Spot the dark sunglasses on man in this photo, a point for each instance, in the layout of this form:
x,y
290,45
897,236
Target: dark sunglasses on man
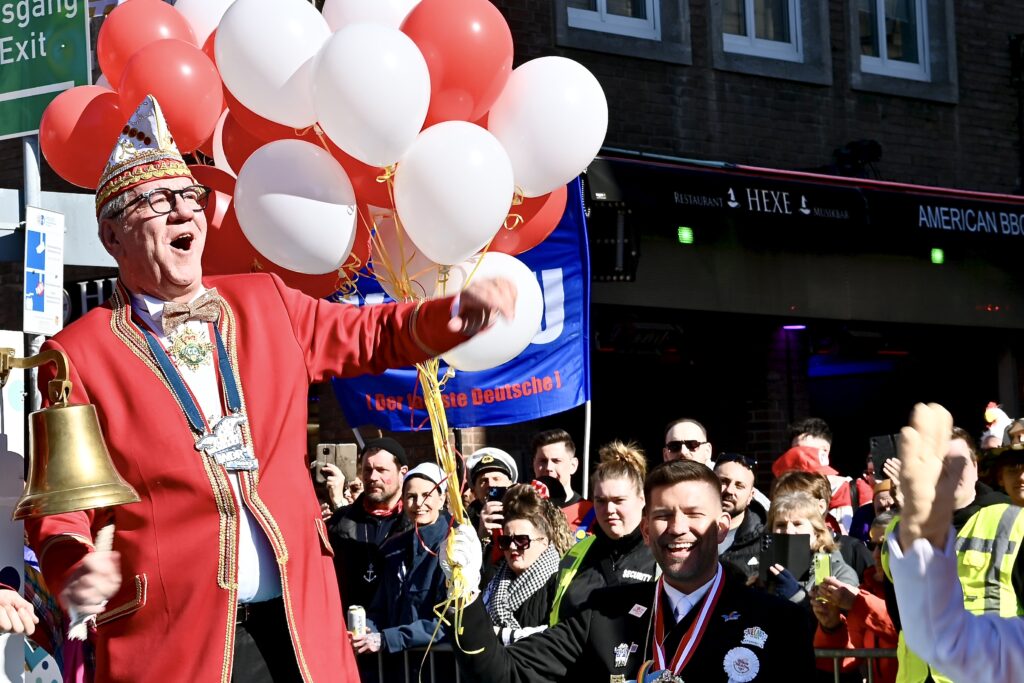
x,y
677,446
745,460
520,541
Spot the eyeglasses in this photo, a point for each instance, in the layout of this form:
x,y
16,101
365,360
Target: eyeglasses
x,y
745,460
677,446
161,199
520,541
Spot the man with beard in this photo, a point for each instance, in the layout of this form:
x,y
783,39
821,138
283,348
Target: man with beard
x,y
357,531
692,623
742,545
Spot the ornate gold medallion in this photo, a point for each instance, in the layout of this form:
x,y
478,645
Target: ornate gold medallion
x,y
188,349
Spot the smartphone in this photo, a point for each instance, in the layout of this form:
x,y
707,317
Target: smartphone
x,y
822,564
325,453
792,551
496,493
882,448
345,457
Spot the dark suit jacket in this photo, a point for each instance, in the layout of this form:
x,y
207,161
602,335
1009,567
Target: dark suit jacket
x,y
582,648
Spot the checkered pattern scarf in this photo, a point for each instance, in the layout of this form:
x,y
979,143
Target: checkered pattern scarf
x,y
508,591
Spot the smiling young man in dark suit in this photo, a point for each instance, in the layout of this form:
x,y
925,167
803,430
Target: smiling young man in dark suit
x,y
692,624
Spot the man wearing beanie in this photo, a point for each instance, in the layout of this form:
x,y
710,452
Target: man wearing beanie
x,y
223,569
357,531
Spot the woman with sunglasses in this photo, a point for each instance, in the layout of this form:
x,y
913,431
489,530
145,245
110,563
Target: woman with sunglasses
x,y
402,613
616,553
534,534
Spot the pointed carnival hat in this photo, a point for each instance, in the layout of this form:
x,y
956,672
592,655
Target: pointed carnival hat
x,y
144,151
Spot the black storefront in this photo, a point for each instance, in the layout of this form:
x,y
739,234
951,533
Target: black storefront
x,y
748,297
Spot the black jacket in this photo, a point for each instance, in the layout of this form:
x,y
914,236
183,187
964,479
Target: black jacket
x,y
743,555
356,537
607,563
583,647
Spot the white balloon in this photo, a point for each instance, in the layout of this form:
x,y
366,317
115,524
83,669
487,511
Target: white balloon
x,y
505,339
266,50
453,189
397,258
203,16
296,206
220,159
342,13
551,117
371,91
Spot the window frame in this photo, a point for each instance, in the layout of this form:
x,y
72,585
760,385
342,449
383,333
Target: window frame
x,y
893,68
673,45
750,44
600,20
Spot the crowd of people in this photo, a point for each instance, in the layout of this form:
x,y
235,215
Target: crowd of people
x,y
543,565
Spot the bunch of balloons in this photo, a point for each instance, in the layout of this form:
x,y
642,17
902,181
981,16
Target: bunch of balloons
x,y
389,132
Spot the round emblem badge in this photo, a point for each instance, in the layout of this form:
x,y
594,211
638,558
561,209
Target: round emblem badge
x,y
741,665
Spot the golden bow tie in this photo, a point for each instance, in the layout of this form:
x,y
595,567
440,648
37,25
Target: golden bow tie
x,y
205,308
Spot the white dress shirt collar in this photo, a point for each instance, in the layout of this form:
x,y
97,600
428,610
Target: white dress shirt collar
x,y
682,602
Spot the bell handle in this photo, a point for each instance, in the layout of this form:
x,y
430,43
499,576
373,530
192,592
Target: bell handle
x,y
59,388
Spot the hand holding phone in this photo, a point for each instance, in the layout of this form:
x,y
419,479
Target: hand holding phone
x,y
822,564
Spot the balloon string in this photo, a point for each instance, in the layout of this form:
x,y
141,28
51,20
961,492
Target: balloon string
x,y
514,220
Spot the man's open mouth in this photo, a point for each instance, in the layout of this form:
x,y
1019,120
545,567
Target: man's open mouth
x,y
184,242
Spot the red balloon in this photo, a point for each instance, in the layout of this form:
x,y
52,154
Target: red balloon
x,y
78,131
468,49
540,217
131,27
185,83
256,124
363,177
208,47
223,186
227,251
238,143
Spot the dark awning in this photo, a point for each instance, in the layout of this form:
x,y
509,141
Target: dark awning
x,y
806,205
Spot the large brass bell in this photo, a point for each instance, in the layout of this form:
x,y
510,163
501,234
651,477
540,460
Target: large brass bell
x,y
69,468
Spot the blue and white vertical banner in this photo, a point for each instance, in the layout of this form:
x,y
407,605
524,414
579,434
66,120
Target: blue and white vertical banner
x,y
550,376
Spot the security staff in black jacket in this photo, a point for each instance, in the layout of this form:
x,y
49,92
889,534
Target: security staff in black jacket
x,y
691,623
616,553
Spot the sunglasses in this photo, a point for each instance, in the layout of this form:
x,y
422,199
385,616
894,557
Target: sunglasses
x,y
745,460
677,446
520,541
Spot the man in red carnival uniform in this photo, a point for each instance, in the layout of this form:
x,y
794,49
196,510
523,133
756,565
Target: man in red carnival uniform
x,y
223,571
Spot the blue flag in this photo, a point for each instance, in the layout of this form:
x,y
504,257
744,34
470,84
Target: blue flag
x,y
550,376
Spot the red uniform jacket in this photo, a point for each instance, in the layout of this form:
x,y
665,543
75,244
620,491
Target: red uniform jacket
x,y
174,617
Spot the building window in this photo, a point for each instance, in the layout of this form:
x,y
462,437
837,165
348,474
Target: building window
x,y
894,38
634,18
763,28
647,29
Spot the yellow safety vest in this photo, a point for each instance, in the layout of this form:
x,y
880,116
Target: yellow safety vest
x,y
567,570
986,550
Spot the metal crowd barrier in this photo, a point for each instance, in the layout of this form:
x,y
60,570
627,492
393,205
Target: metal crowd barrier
x,y
837,656
412,657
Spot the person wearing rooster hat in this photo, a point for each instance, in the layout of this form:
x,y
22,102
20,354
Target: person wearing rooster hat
x,y
223,571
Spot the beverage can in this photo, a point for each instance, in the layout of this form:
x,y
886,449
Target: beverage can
x,y
356,620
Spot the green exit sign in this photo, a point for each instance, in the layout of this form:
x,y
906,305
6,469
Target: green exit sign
x,y
44,50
